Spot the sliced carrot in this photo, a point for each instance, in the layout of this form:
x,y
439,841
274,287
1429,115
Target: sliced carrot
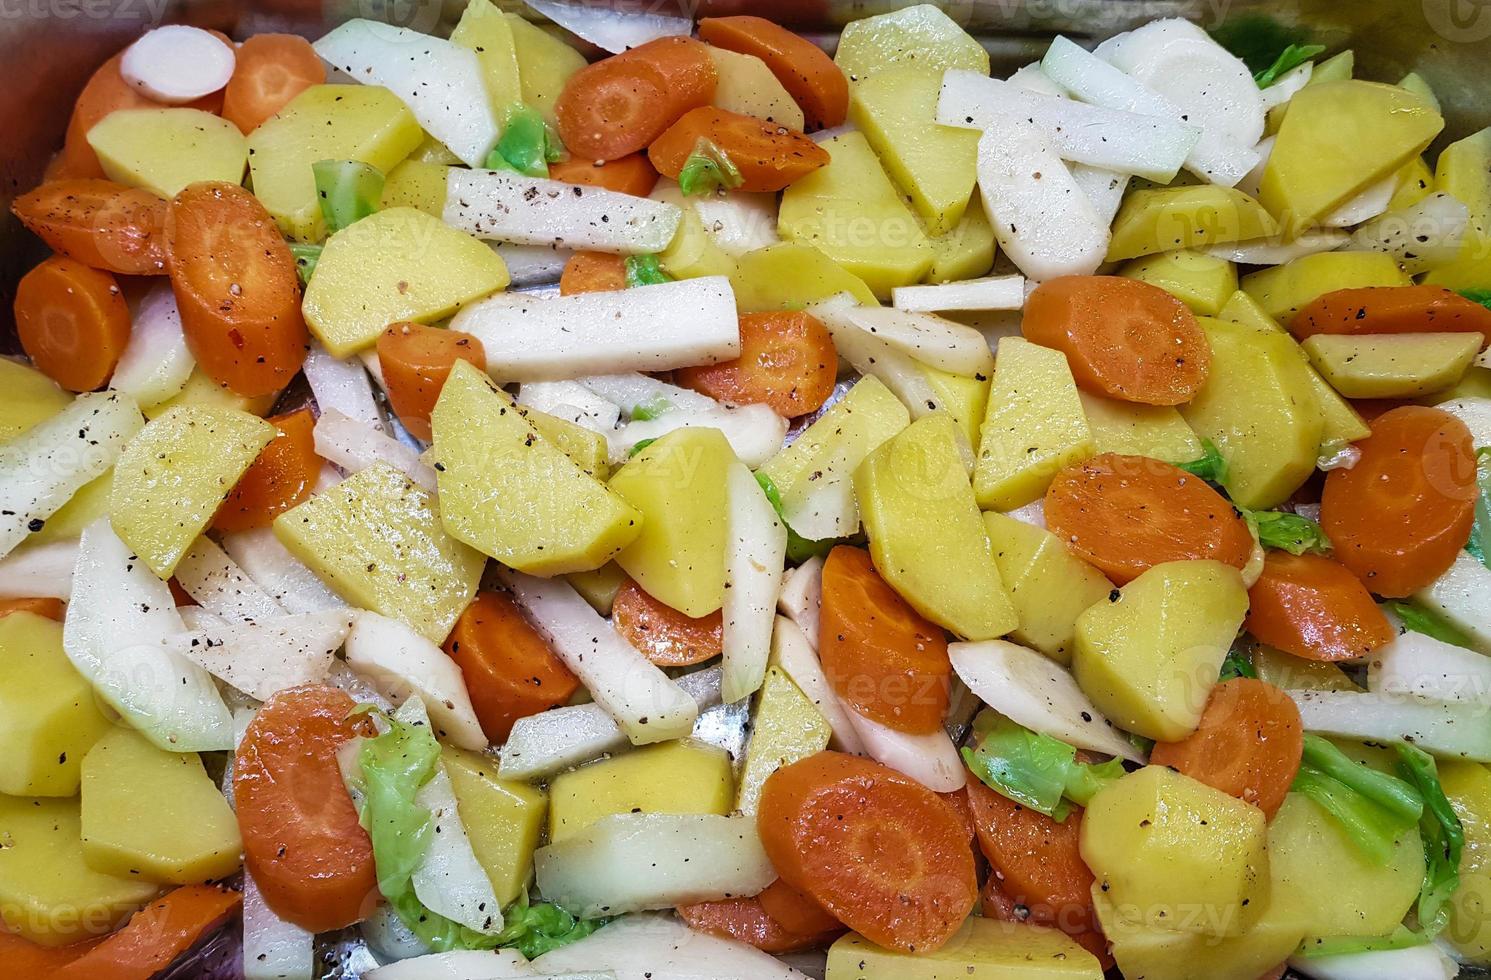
x,y
281,477
1123,338
631,174
619,105
25,960
1035,859
271,69
664,635
805,71
592,272
1392,309
302,842
72,322
509,669
958,800
1247,745
882,657
799,912
1315,608
768,155
99,223
237,288
1400,516
997,904
882,853
787,361
154,936
51,608
416,359
746,921
1125,514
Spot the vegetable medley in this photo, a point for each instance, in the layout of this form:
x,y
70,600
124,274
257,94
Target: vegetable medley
x,y
748,502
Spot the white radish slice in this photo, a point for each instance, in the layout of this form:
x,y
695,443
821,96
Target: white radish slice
x,y
645,703
1032,79
1421,236
755,550
1414,663
1449,729
755,432
801,598
177,64
1287,85
659,947
532,265
264,657
571,401
354,446
1267,251
458,964
869,354
797,654
156,362
220,587
1038,693
1041,218
738,222
1426,962
341,386
518,210
1462,595
1033,513
631,391
930,759
267,562
929,339
1475,412
994,293
39,571
647,328
1129,142
1368,204
1253,179
614,30
273,949
399,662
1104,189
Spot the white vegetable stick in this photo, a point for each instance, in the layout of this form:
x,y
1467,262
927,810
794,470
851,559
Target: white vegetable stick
x,y
113,633
738,222
273,949
869,354
519,210
459,964
1253,179
994,293
1426,962
219,586
930,759
1268,251
829,510
1042,220
561,738
754,432
399,662
354,446
1032,79
1417,664
1366,205
1038,693
441,82
1449,729
41,571
645,703
532,265
629,391
1462,595
341,386
177,64
797,653
647,328
44,466
801,597
571,401
1475,412
356,686
270,566
688,857
1104,189
262,658
656,947
1287,85
1421,236
1033,513
755,550
613,30
155,363
928,338
1125,142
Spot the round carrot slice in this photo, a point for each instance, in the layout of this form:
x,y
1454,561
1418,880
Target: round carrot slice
x,y
631,174
1315,608
796,911
664,635
592,272
237,289
1123,338
1035,859
746,921
1400,516
301,839
416,359
1247,745
619,105
509,669
807,73
49,608
882,853
271,69
281,477
99,223
768,155
882,657
1392,309
1125,514
787,361
72,322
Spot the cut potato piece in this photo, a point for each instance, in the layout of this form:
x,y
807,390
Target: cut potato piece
x,y
983,949
923,35
745,85
175,473
484,30
400,663
791,276
1392,365
1201,281
1283,291
1461,171
503,819
26,397
682,776
545,63
1156,431
399,264
785,728
510,207
163,150
1169,218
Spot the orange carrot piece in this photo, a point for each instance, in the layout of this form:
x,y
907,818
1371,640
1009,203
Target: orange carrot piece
x,y
281,477
416,359
631,174
49,607
154,936
271,70
807,73
72,321
664,635
1314,607
1392,309
787,361
592,272
768,155
99,223
621,104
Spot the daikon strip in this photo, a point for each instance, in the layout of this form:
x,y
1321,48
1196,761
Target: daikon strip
x,y
797,654
262,658
994,293
354,446
39,571
519,210
928,338
177,64
755,552
271,566
755,432
930,759
612,29
156,362
399,662
219,586
341,386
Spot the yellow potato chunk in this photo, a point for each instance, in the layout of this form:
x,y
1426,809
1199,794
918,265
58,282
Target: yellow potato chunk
x,y
748,87
48,894
1160,954
852,212
510,493
416,184
1149,655
586,448
1202,282
1175,854
202,391
965,398
1463,171
922,35
1468,786
1291,673
484,29
926,534
678,485
399,264
965,252
503,819
26,397
1033,427
786,727
789,276
163,150
155,814
693,252
1168,218
545,63
376,540
682,776
1392,365
86,506
1284,290
983,949
173,475
1049,586
325,122
1156,431
48,716
599,586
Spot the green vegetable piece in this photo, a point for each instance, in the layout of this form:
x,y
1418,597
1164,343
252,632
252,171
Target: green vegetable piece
x,y
651,409
1399,938
535,929
1418,618
799,548
527,145
306,257
1211,467
349,190
638,446
1479,544
1036,771
1372,807
1481,296
1239,663
1444,839
645,270
1288,60
1288,532
708,169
